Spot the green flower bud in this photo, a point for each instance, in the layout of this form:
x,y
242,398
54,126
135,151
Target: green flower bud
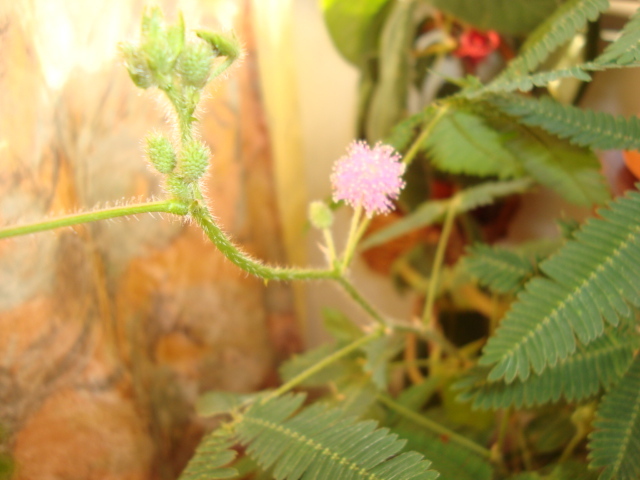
x,y
194,161
194,64
176,38
152,22
161,153
161,45
320,215
136,66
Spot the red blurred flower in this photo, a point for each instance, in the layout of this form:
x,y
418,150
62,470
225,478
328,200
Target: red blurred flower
x,y
475,46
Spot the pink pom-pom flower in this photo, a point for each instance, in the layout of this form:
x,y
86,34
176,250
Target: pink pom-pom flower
x,y
368,177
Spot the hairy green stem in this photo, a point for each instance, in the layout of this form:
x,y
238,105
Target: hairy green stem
x,y
165,206
433,426
325,362
438,260
359,299
203,217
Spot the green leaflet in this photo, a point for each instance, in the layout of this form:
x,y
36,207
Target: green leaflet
x,y
210,458
379,353
615,441
571,171
590,281
507,16
583,374
432,211
557,29
462,142
450,459
341,327
581,127
353,26
626,49
320,442
404,133
564,471
499,269
303,361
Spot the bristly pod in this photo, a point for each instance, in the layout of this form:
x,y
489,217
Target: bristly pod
x,y
194,160
178,188
194,64
161,153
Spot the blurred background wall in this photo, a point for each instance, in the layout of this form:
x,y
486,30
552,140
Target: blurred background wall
x,y
108,332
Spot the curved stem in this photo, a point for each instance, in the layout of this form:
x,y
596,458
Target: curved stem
x,y
325,362
434,426
203,217
165,206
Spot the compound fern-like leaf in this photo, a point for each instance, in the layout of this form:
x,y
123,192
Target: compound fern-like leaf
x,y
625,51
320,442
581,127
583,374
615,442
557,29
211,458
527,82
462,142
500,269
573,172
592,280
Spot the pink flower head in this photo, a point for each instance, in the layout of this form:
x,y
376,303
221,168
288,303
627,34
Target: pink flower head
x,y
368,177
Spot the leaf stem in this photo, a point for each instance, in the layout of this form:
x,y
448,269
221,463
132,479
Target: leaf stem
x,y
165,206
325,362
434,426
439,259
360,300
417,144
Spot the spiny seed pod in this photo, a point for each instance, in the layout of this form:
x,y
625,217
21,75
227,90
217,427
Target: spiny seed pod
x,y
194,64
194,161
161,153
320,215
178,188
